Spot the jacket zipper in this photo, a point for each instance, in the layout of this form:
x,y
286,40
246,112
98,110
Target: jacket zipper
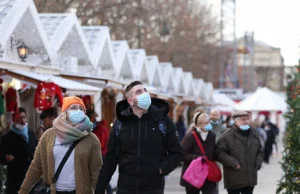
x,y
138,157
247,160
146,130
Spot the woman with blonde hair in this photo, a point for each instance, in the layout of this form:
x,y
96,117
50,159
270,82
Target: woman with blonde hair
x,y
68,156
198,110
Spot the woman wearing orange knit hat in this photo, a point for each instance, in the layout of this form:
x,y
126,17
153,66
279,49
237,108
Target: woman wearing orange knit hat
x,y
68,156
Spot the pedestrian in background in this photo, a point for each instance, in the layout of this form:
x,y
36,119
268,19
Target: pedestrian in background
x,y
240,151
17,150
191,151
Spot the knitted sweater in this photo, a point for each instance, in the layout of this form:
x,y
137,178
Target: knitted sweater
x,y
88,163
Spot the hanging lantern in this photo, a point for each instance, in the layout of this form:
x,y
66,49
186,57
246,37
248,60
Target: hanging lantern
x,y
22,51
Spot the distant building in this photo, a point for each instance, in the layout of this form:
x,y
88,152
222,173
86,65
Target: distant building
x,y
267,70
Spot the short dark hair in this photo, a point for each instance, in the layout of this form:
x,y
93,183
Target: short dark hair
x,y
90,113
50,112
22,110
131,85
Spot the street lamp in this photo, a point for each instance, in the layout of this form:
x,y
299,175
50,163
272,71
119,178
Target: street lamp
x,y
22,51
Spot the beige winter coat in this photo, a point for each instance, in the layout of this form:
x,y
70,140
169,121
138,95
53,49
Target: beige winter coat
x,y
88,163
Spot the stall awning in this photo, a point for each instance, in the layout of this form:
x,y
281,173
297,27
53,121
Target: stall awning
x,y
92,80
25,66
71,87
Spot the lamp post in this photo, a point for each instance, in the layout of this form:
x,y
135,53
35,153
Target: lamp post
x,y
22,51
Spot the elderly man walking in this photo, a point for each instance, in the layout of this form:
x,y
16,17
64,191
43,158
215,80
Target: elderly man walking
x,y
216,123
240,151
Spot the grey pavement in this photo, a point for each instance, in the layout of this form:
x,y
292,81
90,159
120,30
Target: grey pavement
x,y
268,178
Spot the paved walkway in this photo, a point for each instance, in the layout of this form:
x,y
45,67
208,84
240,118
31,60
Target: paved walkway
x,y
268,178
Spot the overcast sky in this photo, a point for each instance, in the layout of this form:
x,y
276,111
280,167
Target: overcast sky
x,y
276,22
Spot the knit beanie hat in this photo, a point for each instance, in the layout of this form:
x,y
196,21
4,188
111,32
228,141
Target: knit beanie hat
x,y
68,101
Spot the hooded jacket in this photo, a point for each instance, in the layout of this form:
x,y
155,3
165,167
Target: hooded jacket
x,y
142,150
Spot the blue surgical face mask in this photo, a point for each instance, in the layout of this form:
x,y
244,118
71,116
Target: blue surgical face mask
x,y
215,122
144,101
231,122
76,116
208,127
244,127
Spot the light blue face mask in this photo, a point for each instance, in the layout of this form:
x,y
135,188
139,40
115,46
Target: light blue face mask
x,y
144,101
215,122
76,116
231,122
208,127
244,127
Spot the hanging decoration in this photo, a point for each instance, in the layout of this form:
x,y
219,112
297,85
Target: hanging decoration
x,y
46,94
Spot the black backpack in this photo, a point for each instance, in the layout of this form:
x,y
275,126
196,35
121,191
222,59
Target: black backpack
x,y
161,125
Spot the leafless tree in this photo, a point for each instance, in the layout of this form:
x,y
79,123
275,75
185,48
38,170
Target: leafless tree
x,y
184,32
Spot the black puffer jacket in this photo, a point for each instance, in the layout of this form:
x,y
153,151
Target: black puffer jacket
x,y
142,149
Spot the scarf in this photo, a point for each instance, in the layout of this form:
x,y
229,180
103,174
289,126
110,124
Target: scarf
x,y
202,134
23,133
66,133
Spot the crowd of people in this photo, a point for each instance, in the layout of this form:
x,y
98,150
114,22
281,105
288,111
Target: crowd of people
x,y
72,152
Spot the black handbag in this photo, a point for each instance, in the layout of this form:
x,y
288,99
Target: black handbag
x,y
46,189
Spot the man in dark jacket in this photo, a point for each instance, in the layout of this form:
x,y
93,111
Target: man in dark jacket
x,y
17,150
136,143
240,151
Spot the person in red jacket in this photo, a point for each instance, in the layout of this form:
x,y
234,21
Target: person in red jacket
x,y
101,131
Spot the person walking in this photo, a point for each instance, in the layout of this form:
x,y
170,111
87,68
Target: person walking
x,y
240,151
216,123
17,150
191,151
47,117
71,130
143,142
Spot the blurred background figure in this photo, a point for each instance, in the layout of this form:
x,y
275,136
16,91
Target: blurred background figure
x,y
181,128
47,117
262,133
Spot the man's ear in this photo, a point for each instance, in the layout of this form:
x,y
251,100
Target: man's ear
x,y
129,100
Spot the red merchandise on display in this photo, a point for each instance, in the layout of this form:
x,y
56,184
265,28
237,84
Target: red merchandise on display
x,y
11,100
45,95
87,100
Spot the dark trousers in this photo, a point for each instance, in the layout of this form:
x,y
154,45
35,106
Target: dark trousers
x,y
245,190
122,191
197,191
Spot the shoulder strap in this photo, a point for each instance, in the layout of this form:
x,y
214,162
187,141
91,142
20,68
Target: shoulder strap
x,y
62,163
198,142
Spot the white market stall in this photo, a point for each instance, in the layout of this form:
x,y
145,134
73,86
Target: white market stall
x,y
263,101
223,103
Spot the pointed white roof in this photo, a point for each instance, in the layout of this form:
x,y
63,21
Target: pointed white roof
x,y
166,73
178,81
124,66
100,44
263,99
139,62
152,71
66,37
198,85
19,20
188,83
